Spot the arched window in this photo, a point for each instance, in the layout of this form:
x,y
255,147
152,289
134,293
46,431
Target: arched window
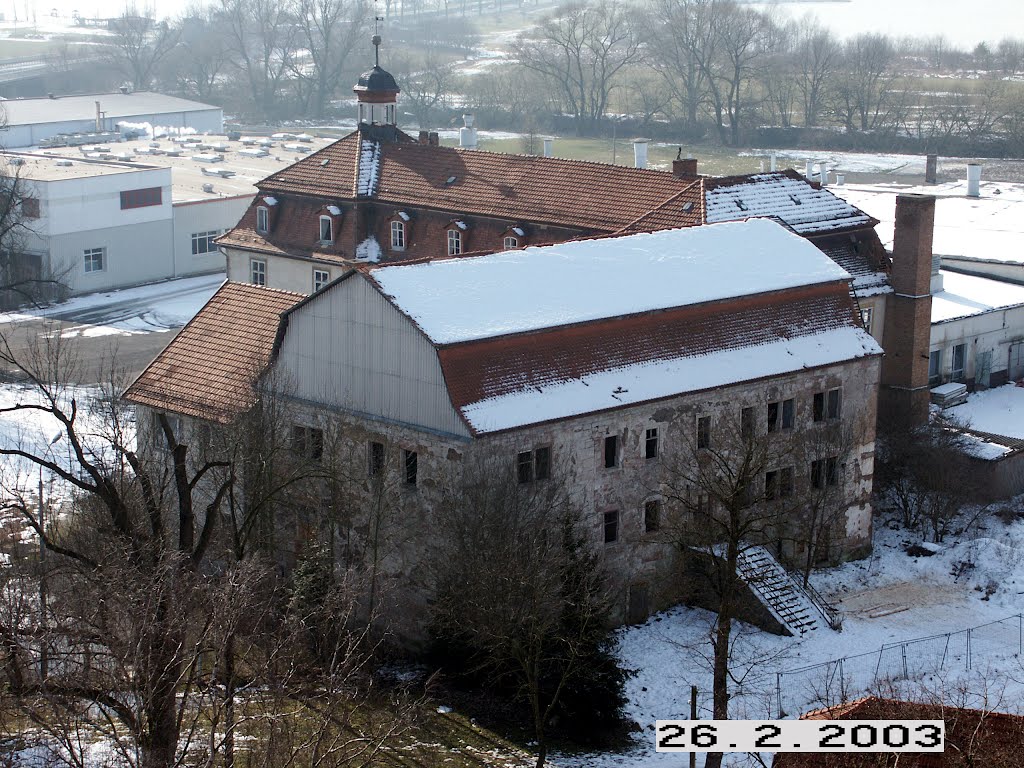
x,y
398,235
454,242
326,230
262,218
510,241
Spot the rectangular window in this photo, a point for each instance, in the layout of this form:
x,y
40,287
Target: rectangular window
x,y
411,464
773,416
702,505
611,451
785,482
524,466
375,459
262,219
326,230
542,463
651,444
652,515
825,472
704,432
397,236
95,260
771,485
788,413
865,318
202,242
141,198
959,361
828,405
611,527
307,442
257,271
747,418
454,242
30,207
935,367
321,277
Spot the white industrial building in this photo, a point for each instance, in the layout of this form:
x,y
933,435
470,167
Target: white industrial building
x,y
136,212
30,121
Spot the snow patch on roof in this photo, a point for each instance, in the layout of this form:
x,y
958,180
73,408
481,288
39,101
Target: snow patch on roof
x,y
998,411
794,201
457,300
966,295
369,168
270,200
517,231
652,380
368,250
403,215
334,210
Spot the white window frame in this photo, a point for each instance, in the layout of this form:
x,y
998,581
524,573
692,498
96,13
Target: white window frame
x,y
865,318
258,269
262,219
510,242
89,255
321,277
454,242
397,235
329,230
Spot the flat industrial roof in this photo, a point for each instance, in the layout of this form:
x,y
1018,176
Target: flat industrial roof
x,y
83,107
188,175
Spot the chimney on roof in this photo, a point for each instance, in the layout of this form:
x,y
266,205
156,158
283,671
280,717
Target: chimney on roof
x,y
640,153
974,180
432,139
684,167
124,90
809,170
907,334
424,137
931,169
99,118
824,173
773,165
549,147
467,135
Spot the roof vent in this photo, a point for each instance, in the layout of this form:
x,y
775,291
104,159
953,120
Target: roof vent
x,y
63,163
450,180
325,161
16,160
207,187
740,204
687,207
796,200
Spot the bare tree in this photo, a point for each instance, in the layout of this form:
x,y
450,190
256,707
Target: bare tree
x,y
263,37
818,54
141,44
580,50
519,588
426,84
862,89
329,31
681,45
201,59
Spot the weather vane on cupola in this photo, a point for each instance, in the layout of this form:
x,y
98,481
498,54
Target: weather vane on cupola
x,y
376,40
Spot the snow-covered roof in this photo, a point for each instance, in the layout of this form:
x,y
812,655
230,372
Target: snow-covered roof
x,y
369,168
998,411
989,227
803,207
458,300
966,295
663,378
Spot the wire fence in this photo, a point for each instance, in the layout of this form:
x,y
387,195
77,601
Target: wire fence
x,y
842,679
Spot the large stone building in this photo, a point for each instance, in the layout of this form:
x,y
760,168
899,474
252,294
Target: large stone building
x,y
596,365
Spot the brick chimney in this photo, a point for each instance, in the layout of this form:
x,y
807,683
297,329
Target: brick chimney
x,y
432,139
907,334
685,168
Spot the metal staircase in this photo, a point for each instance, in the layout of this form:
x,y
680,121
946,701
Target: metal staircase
x,y
798,609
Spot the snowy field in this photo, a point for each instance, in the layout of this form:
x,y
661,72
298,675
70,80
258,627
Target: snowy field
x,y
130,311
974,580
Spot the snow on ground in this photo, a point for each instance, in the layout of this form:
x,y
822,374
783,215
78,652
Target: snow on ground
x,y
846,162
974,578
457,300
999,411
988,227
965,295
145,309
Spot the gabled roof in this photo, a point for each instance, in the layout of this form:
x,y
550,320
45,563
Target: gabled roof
x,y
208,369
574,193
974,737
458,300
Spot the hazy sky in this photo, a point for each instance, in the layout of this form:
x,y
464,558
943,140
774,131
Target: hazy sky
x,y
965,24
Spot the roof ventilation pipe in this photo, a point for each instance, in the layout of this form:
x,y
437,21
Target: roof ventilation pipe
x,y
640,153
467,135
931,169
772,167
823,175
973,180
549,147
809,170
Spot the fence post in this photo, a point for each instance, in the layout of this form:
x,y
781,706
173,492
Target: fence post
x,y
1020,633
968,647
778,692
842,681
693,716
903,652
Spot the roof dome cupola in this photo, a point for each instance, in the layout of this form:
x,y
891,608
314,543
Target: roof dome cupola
x,y
377,93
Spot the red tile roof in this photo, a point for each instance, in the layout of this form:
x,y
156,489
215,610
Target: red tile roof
x,y
208,368
974,738
489,368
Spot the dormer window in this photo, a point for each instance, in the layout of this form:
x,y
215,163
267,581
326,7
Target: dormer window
x,y
397,235
454,242
262,219
510,241
326,230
